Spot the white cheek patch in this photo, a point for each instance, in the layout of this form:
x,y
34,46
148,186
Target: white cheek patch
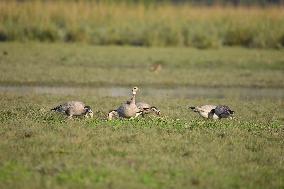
x,y
133,92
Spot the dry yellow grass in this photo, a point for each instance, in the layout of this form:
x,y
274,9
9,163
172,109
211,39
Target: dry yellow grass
x,y
163,25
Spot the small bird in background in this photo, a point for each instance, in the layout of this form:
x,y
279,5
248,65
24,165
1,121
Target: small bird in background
x,y
156,67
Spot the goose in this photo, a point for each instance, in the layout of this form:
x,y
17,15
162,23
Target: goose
x,y
74,108
213,111
147,108
128,109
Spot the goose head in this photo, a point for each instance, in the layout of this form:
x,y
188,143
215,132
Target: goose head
x,y
156,110
232,114
193,108
112,114
134,90
88,111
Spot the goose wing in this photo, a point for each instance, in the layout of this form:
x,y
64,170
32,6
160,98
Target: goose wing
x,y
62,107
77,108
143,105
127,110
223,111
205,108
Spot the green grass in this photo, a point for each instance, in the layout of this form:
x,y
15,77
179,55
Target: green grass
x,y
84,65
40,149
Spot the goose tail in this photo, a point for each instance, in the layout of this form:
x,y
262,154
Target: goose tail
x,y
57,108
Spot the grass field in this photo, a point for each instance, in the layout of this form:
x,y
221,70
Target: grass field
x,y
84,65
40,149
141,25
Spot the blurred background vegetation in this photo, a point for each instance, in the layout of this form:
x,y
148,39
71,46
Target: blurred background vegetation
x,y
257,23
203,2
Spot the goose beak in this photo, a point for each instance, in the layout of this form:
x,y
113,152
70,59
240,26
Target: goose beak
x,y
89,113
110,115
138,113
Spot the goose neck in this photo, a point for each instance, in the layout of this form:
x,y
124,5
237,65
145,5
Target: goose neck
x,y
133,98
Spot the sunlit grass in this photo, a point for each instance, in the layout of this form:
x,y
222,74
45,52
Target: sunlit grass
x,y
43,149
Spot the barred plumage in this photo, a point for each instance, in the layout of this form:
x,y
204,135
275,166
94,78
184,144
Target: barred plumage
x,y
74,108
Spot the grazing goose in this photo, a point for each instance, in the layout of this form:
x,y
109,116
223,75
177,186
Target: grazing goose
x,y
213,111
147,108
74,108
128,109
